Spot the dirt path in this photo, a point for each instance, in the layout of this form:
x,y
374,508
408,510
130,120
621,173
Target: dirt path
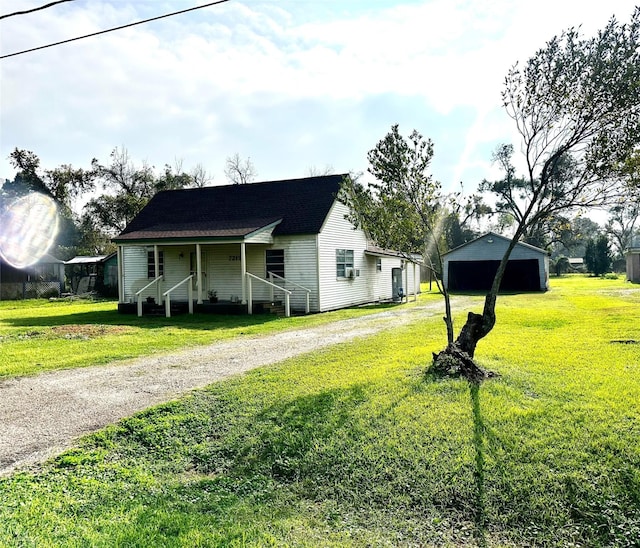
x,y
41,416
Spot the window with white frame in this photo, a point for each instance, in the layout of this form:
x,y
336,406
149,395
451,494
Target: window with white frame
x,y
274,259
379,264
344,262
151,264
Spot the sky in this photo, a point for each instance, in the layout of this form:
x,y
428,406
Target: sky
x,y
295,85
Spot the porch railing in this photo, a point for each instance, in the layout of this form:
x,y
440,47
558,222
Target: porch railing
x,y
167,296
307,291
287,293
139,292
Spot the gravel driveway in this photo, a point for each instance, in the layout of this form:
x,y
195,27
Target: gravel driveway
x,y
41,416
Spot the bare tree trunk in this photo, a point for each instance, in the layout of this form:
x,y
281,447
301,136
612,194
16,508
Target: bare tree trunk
x,y
457,358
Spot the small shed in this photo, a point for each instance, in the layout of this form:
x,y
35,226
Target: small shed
x,y
472,266
89,273
633,263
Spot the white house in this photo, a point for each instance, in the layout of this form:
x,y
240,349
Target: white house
x,y
251,244
472,266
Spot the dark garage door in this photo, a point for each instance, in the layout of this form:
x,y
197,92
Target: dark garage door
x,y
521,275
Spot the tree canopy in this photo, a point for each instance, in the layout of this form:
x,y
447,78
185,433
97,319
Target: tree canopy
x,y
576,107
125,190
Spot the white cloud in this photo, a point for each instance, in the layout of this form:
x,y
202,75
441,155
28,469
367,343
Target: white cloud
x,y
326,78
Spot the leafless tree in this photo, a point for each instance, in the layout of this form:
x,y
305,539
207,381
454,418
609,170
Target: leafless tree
x,y
239,171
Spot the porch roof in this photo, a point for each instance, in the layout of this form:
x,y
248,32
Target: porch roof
x,y
197,232
296,206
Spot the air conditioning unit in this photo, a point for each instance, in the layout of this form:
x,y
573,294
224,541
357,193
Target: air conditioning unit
x,y
349,273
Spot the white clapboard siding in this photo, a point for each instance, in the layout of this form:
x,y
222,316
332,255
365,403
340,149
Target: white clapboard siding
x,y
176,269
339,233
135,272
300,267
224,270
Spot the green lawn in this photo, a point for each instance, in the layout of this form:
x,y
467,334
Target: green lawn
x,y
356,446
38,335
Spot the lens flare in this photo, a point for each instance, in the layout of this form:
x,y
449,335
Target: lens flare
x,y
28,227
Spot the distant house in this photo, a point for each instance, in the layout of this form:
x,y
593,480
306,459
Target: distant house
x,y
93,273
44,278
472,266
253,244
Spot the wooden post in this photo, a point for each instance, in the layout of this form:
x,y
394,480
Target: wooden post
x,y
199,271
250,289
243,268
156,261
271,296
120,259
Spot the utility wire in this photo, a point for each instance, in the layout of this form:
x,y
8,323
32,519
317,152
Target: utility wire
x,y
34,9
112,29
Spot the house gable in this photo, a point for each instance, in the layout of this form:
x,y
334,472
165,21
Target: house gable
x,y
235,212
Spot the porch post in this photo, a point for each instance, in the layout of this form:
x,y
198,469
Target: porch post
x,y
243,268
156,261
406,283
199,271
120,259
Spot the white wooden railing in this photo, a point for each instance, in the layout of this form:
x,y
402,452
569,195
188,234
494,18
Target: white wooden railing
x,y
307,291
287,293
139,293
167,295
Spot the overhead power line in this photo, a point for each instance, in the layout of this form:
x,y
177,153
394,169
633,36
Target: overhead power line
x,y
34,9
113,29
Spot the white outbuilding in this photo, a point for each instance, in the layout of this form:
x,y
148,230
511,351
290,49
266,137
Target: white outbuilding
x,y
472,266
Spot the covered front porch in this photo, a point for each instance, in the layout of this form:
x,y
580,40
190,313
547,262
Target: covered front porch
x,y
217,276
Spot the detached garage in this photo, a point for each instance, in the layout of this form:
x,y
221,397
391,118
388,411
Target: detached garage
x,y
472,266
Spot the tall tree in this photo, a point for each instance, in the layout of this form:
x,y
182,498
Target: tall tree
x,y
404,208
623,224
597,256
128,188
576,106
62,184
239,171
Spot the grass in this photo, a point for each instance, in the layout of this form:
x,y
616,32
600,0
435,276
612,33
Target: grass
x,y
38,335
356,446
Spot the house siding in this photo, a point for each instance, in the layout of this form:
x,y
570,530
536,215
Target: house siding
x,y
135,272
339,233
371,285
300,267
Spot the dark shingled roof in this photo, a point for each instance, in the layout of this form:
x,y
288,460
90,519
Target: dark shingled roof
x,y
299,206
